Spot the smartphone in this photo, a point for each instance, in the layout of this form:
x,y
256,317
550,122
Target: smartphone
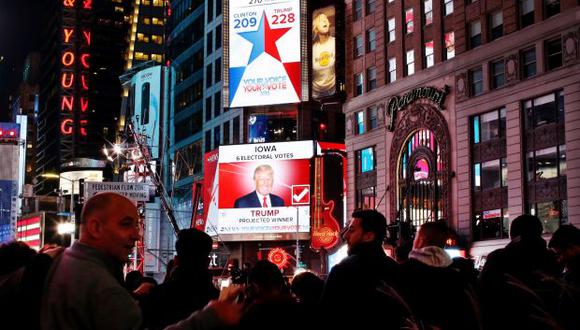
x,y
145,100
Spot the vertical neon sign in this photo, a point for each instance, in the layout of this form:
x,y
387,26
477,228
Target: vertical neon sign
x,y
75,60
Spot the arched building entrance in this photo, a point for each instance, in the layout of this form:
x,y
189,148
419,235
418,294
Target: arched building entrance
x,y
419,166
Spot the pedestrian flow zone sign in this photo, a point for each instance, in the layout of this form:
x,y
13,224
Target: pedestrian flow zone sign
x,y
137,192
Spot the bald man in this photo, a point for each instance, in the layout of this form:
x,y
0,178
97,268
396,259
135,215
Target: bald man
x,y
84,287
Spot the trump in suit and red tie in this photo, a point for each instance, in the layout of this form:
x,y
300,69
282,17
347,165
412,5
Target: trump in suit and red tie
x,y
262,196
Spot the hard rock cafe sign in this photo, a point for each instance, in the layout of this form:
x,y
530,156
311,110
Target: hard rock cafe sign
x,y
398,103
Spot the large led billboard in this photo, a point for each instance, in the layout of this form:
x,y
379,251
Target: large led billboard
x,y
265,52
147,103
323,52
264,191
9,172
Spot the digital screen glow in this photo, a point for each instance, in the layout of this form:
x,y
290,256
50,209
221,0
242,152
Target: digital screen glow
x,y
265,38
264,190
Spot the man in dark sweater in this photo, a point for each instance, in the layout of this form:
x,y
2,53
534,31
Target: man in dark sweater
x,y
190,286
362,284
513,280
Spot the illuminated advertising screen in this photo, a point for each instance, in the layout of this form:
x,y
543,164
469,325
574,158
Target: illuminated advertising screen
x,y
6,192
30,230
146,90
264,191
67,179
323,52
265,53
209,193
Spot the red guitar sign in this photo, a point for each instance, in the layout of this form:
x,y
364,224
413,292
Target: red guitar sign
x,y
325,229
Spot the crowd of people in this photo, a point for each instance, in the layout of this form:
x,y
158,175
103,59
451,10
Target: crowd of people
x,y
526,285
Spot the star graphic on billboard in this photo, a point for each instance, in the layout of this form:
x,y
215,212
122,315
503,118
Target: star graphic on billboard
x,y
264,39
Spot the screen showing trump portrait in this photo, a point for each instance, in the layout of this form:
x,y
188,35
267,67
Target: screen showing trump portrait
x,y
265,53
264,191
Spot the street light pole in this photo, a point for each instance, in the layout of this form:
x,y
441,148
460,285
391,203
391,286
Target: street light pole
x,y
72,214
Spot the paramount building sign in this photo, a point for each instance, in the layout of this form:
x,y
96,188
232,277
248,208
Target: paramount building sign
x,y
398,103
137,192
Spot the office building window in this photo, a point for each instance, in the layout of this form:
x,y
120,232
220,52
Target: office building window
x,y
218,37
365,189
157,39
489,175
188,126
157,58
209,42
391,27
218,7
371,40
208,75
474,34
226,139
409,28
495,25
366,197
365,160
218,70
489,126
188,161
217,107
236,131
551,7
217,103
476,81
359,84
526,13
553,49
358,46
545,158
209,10
142,37
544,110
546,163
529,63
371,78
208,141
428,7
392,69
357,10
189,96
216,136
410,61
360,122
429,58
370,7
497,74
208,109
449,45
372,116
447,7
552,214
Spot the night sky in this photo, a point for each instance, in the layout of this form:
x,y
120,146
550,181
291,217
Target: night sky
x,y
18,37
